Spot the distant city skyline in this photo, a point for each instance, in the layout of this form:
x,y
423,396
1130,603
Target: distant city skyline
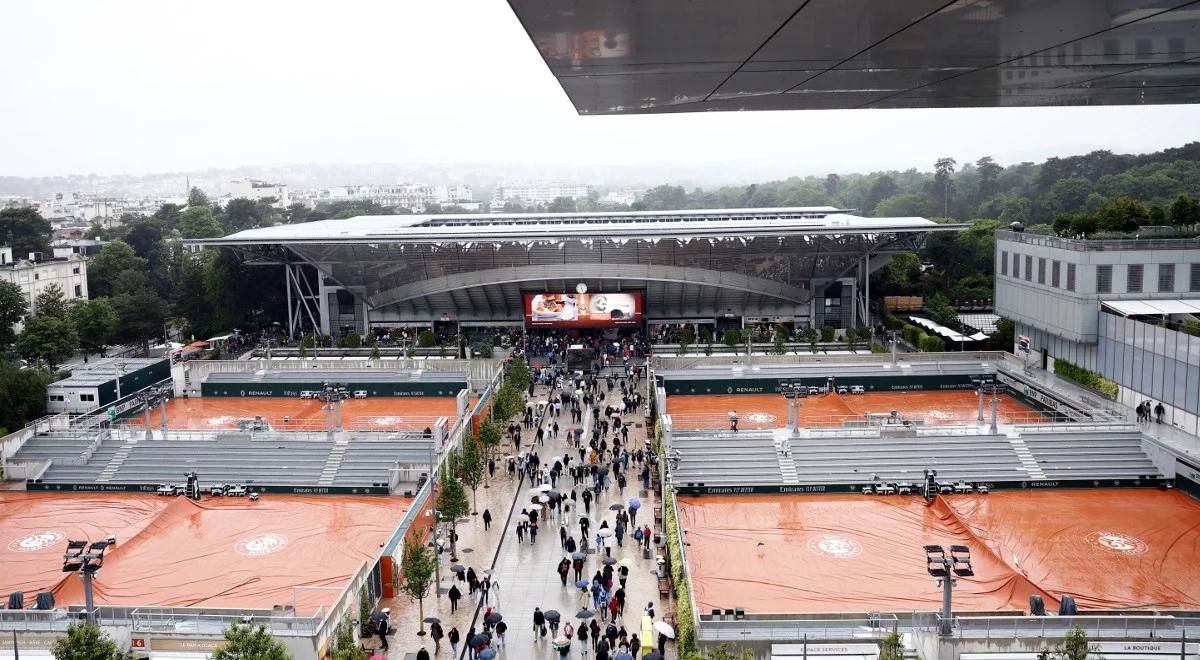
x,y
141,87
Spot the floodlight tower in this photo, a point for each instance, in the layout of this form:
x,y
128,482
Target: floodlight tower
x,y
86,560
944,569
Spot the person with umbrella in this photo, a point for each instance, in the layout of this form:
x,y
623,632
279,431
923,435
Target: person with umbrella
x,y
383,626
665,632
436,634
634,505
453,638
454,595
552,618
564,569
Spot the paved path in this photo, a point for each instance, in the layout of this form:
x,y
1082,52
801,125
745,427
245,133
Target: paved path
x,y
525,572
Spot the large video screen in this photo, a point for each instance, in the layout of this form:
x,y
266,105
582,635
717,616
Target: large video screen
x,y
582,310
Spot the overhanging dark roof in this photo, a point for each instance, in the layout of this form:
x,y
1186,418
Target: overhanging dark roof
x,y
642,56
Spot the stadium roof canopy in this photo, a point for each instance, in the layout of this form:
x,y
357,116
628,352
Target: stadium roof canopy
x,y
641,56
692,263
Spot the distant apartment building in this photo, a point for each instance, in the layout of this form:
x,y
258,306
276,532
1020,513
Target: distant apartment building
x,y
541,193
37,271
621,197
415,197
259,190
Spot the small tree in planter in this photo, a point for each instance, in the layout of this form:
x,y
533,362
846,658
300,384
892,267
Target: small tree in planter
x,y
426,339
828,333
782,335
686,338
706,338
732,337
810,336
851,338
418,566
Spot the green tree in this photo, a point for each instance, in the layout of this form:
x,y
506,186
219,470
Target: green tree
x,y
686,337
851,338
472,467
250,643
989,176
732,337
943,182
810,336
364,612
25,231
518,374
168,215
1184,211
827,333
941,311
426,339
52,302
1073,647
344,646
451,505
904,205
242,213
418,565
85,641
12,309
891,648
562,205
116,257
832,184
94,322
1005,336
349,340
199,222
1123,214
490,435
47,338
782,335
930,344
725,652
141,316
196,197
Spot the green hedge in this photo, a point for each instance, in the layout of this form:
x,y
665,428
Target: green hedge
x,y
932,344
685,618
1088,379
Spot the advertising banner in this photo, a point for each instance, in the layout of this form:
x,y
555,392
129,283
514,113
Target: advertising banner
x,y
582,310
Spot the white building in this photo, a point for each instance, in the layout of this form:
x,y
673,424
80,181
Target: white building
x,y
257,190
37,272
540,192
621,197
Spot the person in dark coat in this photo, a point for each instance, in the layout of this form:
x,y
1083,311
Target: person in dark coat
x,y
583,637
539,622
662,644
454,595
453,637
383,626
564,569
436,634
423,654
487,519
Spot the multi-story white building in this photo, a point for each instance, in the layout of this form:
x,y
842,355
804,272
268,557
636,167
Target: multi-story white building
x,y
539,192
1120,308
37,272
621,197
258,190
415,197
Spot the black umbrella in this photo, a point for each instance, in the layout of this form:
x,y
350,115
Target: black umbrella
x,y
584,614
432,619
458,568
653,655
493,618
609,561
578,555
552,615
483,638
616,507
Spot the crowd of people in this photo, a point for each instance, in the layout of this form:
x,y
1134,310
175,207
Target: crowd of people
x,y
577,489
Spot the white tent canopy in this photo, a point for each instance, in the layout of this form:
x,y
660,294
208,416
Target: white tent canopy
x,y
952,335
1153,307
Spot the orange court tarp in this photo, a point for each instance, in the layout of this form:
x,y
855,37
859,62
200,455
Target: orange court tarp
x,y
173,552
853,553
757,411
384,413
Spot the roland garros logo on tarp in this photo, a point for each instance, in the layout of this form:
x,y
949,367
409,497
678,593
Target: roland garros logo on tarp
x,y
1117,543
37,541
838,547
261,544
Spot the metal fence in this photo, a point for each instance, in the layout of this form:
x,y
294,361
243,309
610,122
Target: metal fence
x,y
798,629
177,620
1096,627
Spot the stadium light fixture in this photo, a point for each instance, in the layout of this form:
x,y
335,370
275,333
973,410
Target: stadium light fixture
x,y
86,560
944,568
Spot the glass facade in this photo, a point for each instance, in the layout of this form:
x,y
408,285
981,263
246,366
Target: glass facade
x,y
1161,364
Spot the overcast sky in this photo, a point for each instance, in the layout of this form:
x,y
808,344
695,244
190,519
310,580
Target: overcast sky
x,y
151,86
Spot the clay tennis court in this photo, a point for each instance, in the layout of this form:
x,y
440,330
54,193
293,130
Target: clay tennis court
x,y
173,552
1135,549
384,414
758,411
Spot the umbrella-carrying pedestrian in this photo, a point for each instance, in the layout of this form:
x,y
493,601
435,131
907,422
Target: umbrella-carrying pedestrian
x,y
454,595
453,638
564,569
383,626
539,622
436,634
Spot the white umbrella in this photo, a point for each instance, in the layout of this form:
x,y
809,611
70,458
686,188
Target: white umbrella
x,y
545,488
664,628
543,498
534,507
605,532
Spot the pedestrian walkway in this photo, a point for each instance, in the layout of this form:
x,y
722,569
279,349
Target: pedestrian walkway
x,y
525,574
